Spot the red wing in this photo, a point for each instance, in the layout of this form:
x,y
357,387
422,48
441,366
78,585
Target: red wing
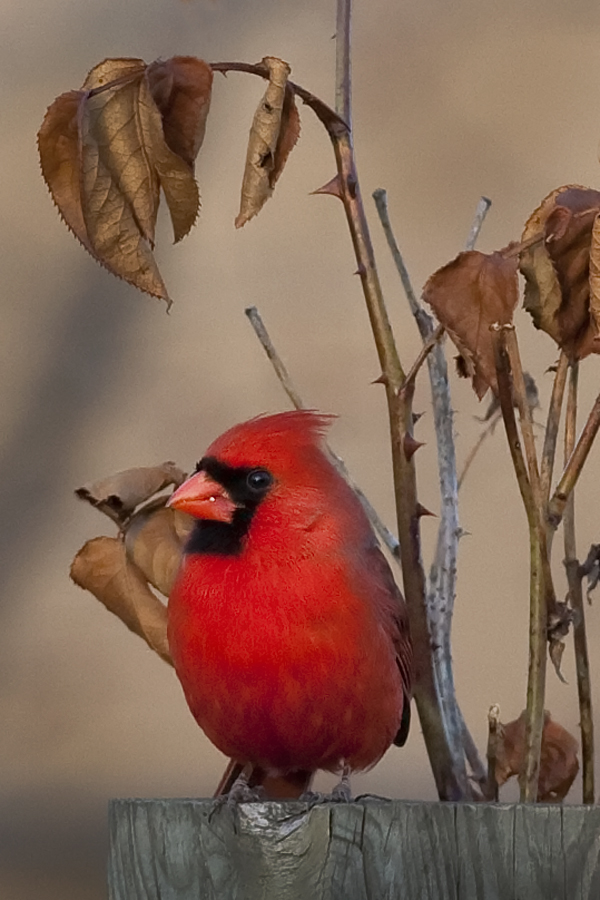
x,y
398,624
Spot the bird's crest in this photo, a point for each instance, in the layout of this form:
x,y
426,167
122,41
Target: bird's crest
x,y
269,436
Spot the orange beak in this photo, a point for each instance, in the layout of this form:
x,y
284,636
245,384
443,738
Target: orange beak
x,y
203,498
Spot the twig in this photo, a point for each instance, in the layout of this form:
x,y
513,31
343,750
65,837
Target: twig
x,y
480,214
281,371
536,682
386,536
549,450
489,429
574,465
333,122
574,576
425,323
423,354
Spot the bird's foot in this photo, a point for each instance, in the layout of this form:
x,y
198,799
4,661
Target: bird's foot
x,y
240,792
342,792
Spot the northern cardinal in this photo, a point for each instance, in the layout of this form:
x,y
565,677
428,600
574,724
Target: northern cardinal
x,y
287,631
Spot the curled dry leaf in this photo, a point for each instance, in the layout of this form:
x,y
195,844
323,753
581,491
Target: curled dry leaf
x,y
562,268
468,295
181,88
106,151
103,568
274,133
118,495
590,569
558,761
154,542
559,622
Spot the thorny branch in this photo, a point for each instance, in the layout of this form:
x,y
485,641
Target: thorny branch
x,y
450,780
442,576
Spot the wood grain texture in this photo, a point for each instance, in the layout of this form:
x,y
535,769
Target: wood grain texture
x,y
367,850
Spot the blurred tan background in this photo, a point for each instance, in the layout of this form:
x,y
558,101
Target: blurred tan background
x,y
451,101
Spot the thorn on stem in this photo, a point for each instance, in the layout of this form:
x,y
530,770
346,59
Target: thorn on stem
x,y
383,379
360,271
423,511
410,445
333,188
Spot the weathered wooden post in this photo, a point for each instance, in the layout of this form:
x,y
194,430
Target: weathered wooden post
x,y
370,850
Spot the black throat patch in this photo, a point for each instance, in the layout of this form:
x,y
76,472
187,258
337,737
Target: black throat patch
x,y
227,538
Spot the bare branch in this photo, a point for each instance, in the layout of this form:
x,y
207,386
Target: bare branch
x,y
549,451
574,466
424,320
343,72
423,354
480,213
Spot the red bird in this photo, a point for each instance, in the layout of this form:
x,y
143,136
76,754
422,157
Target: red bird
x,y
287,631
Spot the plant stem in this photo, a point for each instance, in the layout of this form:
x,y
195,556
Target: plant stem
x,y
480,213
549,451
343,62
573,467
423,355
424,320
574,576
536,682
526,422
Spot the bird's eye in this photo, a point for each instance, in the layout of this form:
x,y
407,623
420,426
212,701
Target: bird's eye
x,y
259,480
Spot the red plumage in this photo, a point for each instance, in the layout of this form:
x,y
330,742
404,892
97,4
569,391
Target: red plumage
x,y
286,628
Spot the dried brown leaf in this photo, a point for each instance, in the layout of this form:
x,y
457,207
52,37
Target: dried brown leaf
x,y
468,295
154,542
58,144
289,133
119,494
105,157
260,169
558,269
181,88
102,567
558,761
556,648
